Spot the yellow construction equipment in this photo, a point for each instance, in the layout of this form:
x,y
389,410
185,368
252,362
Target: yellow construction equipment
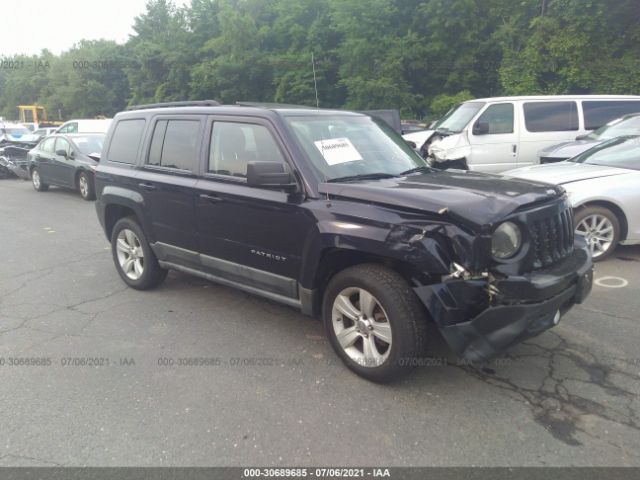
x,y
37,115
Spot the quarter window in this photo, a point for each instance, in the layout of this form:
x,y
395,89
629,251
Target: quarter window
x,y
598,113
498,118
551,116
125,141
175,144
234,145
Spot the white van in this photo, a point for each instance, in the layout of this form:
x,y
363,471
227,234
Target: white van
x,y
85,126
497,134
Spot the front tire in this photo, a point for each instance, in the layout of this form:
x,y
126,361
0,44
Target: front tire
x,y
37,182
86,186
374,322
601,229
135,262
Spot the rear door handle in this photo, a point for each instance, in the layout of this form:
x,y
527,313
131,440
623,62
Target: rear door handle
x,y
514,149
146,186
210,198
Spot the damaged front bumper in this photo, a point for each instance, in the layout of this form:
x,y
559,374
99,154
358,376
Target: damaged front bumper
x,y
480,318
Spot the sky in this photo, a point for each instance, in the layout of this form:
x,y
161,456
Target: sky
x,y
58,24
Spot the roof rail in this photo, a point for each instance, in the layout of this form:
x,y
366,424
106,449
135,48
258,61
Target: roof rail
x,y
270,105
188,103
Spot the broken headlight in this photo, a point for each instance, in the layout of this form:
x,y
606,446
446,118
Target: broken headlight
x,y
506,241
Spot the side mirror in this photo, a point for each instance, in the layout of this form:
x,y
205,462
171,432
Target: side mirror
x,y
480,128
61,153
411,144
270,175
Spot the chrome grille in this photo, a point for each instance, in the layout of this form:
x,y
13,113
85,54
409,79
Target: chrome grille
x,y
552,238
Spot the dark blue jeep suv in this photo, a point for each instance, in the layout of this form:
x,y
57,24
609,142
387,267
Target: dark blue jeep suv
x,y
333,213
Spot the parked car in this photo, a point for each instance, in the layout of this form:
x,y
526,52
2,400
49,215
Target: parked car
x,y
85,126
66,161
627,125
603,185
331,212
12,132
13,160
498,134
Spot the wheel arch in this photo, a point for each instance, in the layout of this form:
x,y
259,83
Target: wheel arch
x,y
114,212
335,260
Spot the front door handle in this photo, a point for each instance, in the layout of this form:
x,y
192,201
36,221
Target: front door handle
x,y
514,148
210,197
147,186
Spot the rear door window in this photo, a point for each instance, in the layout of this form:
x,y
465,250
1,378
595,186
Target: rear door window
x,y
175,144
125,141
550,116
598,113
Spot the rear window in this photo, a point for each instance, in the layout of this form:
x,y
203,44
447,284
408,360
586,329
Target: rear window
x,y
125,141
175,144
599,113
551,116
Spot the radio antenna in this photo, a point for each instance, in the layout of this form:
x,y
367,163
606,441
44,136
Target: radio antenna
x,y
315,82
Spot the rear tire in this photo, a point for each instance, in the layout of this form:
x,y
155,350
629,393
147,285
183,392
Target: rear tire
x,y
601,229
135,262
37,182
86,186
375,322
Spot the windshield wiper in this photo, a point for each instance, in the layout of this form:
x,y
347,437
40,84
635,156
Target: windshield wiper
x,y
423,168
362,176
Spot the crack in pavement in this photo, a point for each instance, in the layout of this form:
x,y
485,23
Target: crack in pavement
x,y
554,406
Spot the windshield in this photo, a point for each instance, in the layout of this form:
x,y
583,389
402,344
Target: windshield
x,y
617,128
621,152
89,144
344,146
459,117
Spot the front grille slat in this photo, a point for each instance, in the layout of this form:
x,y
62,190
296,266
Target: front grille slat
x,y
552,238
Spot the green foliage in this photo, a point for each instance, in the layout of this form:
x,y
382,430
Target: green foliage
x,y
418,56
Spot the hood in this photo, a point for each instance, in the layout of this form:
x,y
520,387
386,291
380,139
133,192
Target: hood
x,y
475,198
419,138
564,172
568,149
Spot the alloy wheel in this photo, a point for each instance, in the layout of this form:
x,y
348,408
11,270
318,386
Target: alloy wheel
x,y
130,254
84,186
35,178
598,232
361,327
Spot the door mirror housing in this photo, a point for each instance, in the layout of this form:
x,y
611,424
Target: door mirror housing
x,y
62,153
270,175
480,128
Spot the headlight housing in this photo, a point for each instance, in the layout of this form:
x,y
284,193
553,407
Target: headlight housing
x,y
506,241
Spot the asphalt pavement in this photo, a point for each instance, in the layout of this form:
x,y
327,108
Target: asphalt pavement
x,y
195,374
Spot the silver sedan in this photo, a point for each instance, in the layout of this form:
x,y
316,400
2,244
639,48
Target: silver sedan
x,y
603,185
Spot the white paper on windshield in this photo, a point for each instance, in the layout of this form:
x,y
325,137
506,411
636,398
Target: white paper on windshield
x,y
338,150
